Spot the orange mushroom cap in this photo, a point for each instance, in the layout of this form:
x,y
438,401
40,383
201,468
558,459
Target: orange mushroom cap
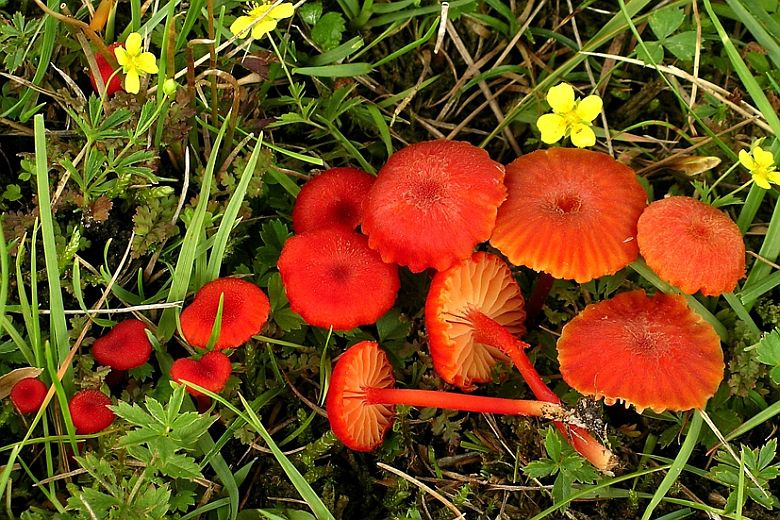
x,y
126,346
212,372
359,425
245,309
432,203
483,282
334,198
89,411
28,394
571,213
652,352
692,245
332,278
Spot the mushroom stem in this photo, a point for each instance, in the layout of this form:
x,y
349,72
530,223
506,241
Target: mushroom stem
x,y
489,332
538,296
464,403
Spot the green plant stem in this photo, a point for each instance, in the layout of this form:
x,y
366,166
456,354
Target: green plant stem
x,y
677,466
769,251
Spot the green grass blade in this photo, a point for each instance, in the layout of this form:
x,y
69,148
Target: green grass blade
x,y
192,238
770,250
231,212
677,466
761,26
760,418
742,312
59,327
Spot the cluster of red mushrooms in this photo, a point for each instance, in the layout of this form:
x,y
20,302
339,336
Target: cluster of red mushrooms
x,y
566,213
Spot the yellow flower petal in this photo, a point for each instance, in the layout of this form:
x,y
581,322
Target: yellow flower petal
x,y
589,108
133,44
240,25
763,158
582,135
284,10
561,98
121,56
773,176
760,179
132,83
146,62
552,127
263,27
746,160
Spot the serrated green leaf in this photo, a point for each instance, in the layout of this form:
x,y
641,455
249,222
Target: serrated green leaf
x,y
141,436
133,414
553,443
310,12
328,30
181,466
682,45
540,468
665,21
767,453
156,410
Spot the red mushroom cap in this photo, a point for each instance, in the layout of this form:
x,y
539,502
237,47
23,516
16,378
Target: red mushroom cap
x,y
571,213
692,245
360,426
89,411
245,310
650,352
482,282
28,395
432,203
115,85
333,198
126,346
332,278
212,372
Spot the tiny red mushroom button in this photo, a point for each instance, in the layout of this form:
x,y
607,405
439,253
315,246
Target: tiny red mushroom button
x,y
89,411
28,394
126,346
112,81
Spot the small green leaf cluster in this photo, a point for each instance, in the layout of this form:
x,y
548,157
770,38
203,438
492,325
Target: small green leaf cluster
x,y
759,462
768,353
564,463
664,23
326,29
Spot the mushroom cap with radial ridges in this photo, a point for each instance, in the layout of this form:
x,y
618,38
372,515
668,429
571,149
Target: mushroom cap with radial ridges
x,y
334,198
432,203
692,245
28,394
652,352
360,426
332,278
89,411
570,213
125,346
245,310
483,282
212,372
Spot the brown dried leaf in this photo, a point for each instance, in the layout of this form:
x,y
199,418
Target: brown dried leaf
x,y
8,380
693,165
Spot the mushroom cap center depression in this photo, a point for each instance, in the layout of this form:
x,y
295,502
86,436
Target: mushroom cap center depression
x,y
566,203
425,193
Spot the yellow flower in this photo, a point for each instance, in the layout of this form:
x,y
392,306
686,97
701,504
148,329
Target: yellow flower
x,y
135,62
267,19
570,117
761,164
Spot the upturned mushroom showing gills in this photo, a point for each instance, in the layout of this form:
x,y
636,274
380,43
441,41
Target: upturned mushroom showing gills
x,y
334,198
361,399
245,309
333,279
672,355
126,346
432,203
692,245
570,213
484,282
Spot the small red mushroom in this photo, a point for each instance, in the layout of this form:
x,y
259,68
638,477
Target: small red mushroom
x,y
126,346
245,309
212,372
672,355
28,395
334,198
332,278
89,411
432,203
485,282
106,72
361,399
692,245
